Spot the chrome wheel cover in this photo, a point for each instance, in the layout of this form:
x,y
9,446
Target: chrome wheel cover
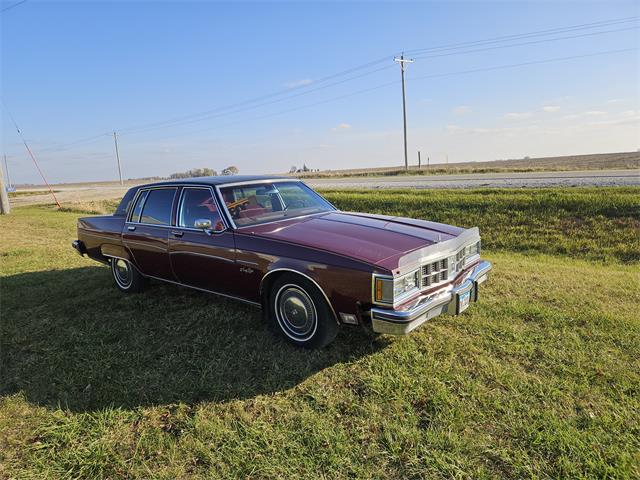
x,y
296,313
122,272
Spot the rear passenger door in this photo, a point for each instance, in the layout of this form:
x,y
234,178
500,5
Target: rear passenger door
x,y
146,231
201,259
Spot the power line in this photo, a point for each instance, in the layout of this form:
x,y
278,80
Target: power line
x,y
287,92
298,91
517,36
203,116
12,6
522,64
15,124
82,141
590,34
388,84
253,107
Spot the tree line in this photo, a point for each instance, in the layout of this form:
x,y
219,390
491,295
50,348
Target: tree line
x,y
205,172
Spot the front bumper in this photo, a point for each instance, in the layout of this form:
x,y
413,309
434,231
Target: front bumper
x,y
404,320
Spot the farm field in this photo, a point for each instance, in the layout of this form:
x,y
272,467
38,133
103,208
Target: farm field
x,y
540,379
606,169
595,161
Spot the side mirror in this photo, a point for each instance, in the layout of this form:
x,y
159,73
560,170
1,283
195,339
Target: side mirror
x,y
202,224
205,224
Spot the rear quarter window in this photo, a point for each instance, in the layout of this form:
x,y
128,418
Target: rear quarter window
x,y
125,203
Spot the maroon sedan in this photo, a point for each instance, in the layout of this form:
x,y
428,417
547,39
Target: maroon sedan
x,y
277,244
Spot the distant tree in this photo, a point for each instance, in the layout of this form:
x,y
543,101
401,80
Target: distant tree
x,y
527,157
293,169
305,168
195,172
231,170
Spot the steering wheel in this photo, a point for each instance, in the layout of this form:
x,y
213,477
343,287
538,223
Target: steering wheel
x,y
295,204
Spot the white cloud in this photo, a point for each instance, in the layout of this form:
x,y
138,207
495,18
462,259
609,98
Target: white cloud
x,y
550,108
298,83
615,100
452,128
590,113
341,127
518,115
462,109
628,117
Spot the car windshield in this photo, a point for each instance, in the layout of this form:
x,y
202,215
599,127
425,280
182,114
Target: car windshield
x,y
252,204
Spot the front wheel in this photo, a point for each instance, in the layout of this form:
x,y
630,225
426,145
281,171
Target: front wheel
x,y
126,276
301,313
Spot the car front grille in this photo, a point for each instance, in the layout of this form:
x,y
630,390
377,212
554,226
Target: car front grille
x,y
443,270
435,273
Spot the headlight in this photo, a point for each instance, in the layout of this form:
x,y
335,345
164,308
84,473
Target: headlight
x,y
388,289
473,249
383,289
405,284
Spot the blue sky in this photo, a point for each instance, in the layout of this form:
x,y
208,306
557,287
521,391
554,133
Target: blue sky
x,y
76,70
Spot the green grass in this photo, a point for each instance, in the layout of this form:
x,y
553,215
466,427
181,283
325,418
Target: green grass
x,y
26,193
540,379
592,223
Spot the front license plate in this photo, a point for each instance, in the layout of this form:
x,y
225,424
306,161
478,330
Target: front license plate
x,y
463,301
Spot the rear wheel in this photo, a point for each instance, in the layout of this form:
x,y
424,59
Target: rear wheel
x,y
301,313
126,276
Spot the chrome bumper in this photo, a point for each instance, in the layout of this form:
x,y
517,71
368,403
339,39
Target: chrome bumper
x,y
402,321
79,247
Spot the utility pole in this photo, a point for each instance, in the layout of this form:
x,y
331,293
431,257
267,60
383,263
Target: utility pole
x,y
402,62
419,161
447,157
427,163
6,169
5,208
115,140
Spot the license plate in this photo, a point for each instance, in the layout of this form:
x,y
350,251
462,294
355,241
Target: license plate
x,y
463,301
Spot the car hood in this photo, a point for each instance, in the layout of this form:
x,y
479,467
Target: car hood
x,y
376,239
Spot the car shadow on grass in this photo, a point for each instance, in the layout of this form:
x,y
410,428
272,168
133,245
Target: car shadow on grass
x,y
68,338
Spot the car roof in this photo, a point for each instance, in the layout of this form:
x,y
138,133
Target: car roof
x,y
219,180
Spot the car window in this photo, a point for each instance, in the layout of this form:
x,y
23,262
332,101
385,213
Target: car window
x,y
294,196
157,207
198,204
266,202
137,210
125,203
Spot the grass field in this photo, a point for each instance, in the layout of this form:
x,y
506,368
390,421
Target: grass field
x,y
27,193
540,379
597,161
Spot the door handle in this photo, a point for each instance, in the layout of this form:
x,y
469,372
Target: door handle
x,y
177,234
131,228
